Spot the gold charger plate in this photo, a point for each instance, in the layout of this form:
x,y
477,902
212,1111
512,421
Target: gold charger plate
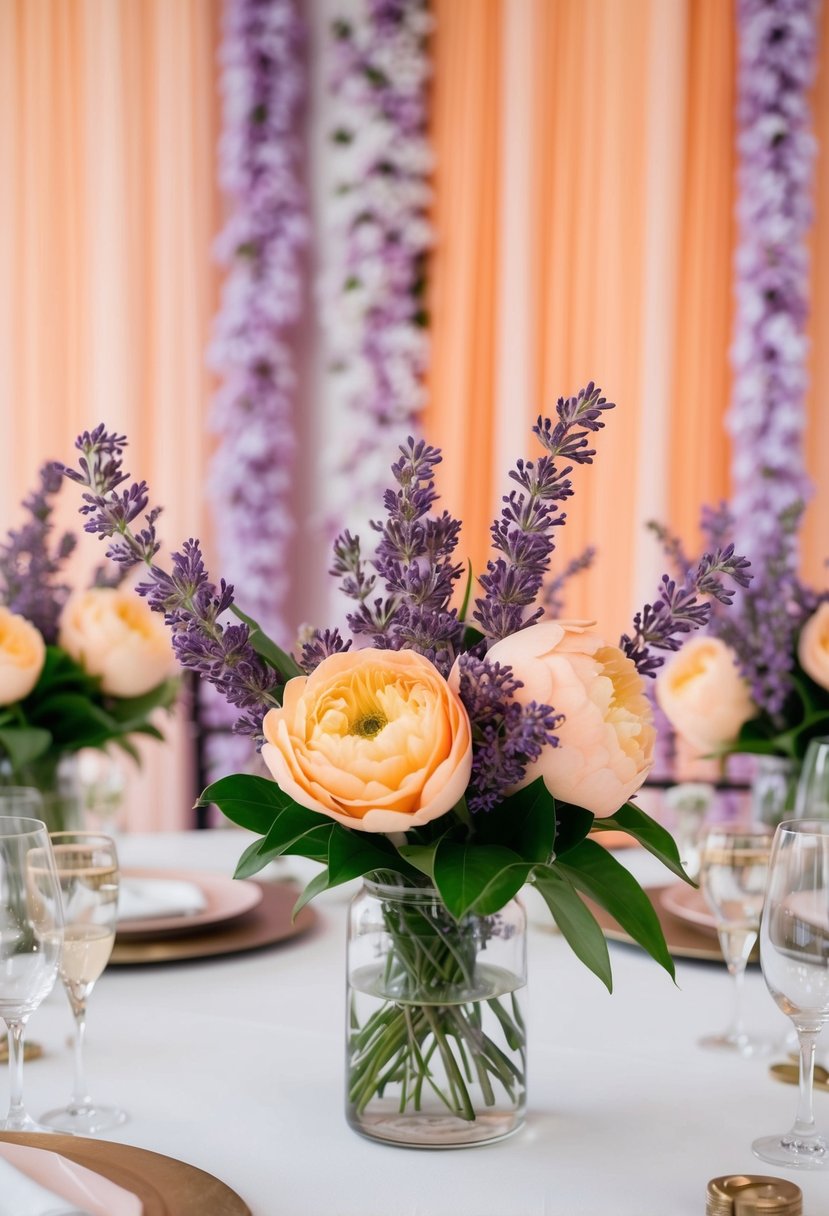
x,y
177,1189
684,939
265,925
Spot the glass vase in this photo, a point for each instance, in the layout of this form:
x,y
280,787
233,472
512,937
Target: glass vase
x,y
773,789
56,780
435,1037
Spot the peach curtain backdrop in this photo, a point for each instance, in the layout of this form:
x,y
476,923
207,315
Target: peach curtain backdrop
x,y
594,239
108,129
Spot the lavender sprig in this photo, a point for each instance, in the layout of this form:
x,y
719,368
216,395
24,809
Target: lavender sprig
x,y
29,567
190,602
524,532
679,610
506,736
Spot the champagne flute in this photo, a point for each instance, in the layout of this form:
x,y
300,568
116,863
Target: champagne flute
x,y
794,956
733,872
31,932
87,867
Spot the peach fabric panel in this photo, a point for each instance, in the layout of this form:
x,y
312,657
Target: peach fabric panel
x,y
700,448
464,289
108,126
815,549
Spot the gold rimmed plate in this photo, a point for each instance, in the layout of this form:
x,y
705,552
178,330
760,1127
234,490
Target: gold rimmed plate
x,y
225,899
684,940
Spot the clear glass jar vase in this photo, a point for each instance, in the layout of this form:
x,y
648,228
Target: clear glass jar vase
x,y
774,789
435,1037
56,780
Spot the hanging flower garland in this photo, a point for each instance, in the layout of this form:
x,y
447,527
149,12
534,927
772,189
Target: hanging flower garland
x,y
776,149
264,84
373,293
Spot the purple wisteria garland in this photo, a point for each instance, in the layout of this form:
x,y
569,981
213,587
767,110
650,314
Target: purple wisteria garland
x,y
373,291
776,150
264,83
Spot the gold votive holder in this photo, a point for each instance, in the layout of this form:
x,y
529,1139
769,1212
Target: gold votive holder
x,y
753,1195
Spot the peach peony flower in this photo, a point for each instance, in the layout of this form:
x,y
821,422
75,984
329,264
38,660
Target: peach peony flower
x,y
606,741
22,655
813,646
115,636
375,739
703,696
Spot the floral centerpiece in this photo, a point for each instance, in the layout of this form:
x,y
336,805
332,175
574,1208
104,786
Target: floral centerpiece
x,y
77,670
447,760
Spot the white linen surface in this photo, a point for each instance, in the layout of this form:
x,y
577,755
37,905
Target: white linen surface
x,y
236,1065
154,898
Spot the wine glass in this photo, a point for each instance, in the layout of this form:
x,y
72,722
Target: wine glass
x,y
733,872
812,799
794,956
31,932
87,867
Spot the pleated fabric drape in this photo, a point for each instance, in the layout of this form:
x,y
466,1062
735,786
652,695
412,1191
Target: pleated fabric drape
x,y
108,128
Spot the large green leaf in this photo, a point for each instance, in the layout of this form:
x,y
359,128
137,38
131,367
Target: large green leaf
x,y
596,873
478,877
252,861
132,711
283,663
300,832
633,820
252,802
23,744
353,854
577,924
319,883
74,721
524,822
572,825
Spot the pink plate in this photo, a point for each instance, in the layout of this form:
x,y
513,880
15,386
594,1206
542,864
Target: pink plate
x,y
688,903
73,1183
225,899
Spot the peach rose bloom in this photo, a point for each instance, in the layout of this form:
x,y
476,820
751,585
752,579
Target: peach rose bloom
x,y
813,646
22,655
606,740
114,635
375,739
703,696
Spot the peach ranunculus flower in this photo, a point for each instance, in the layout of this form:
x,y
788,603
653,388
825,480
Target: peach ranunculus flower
x,y
606,740
703,696
375,739
813,646
22,655
115,636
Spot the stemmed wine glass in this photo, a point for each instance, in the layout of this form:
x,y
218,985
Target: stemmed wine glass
x,y
794,956
31,932
812,799
87,867
733,872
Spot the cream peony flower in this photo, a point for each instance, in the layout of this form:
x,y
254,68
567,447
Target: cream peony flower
x,y
114,635
22,655
813,646
375,739
703,696
606,741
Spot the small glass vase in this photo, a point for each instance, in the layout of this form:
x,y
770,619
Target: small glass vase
x,y
56,780
774,789
435,1037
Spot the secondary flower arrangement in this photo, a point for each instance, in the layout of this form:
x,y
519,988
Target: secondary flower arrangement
x,y
759,680
453,758
77,670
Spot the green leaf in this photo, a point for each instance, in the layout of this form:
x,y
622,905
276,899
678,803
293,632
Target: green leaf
x,y
597,874
299,832
316,886
251,861
132,711
421,856
633,820
572,825
467,591
23,744
471,637
477,877
252,802
74,721
283,663
577,924
353,854
524,822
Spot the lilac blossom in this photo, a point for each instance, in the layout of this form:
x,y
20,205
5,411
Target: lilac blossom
x,y
373,292
30,563
506,736
523,534
777,59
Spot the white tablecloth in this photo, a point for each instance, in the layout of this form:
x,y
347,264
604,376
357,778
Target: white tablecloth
x,y
236,1065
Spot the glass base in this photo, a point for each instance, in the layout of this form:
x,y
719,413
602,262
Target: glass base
x,y
436,1131
793,1152
743,1044
24,1124
84,1120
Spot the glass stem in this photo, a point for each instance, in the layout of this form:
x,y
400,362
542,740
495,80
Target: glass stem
x,y
80,1096
17,1117
737,1030
804,1124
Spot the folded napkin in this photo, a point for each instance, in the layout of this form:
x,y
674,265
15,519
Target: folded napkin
x,y
21,1196
153,898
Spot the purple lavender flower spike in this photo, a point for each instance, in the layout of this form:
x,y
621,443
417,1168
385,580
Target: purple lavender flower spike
x,y
553,590
29,567
321,645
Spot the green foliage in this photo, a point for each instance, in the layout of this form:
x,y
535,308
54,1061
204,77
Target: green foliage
x,y
283,664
